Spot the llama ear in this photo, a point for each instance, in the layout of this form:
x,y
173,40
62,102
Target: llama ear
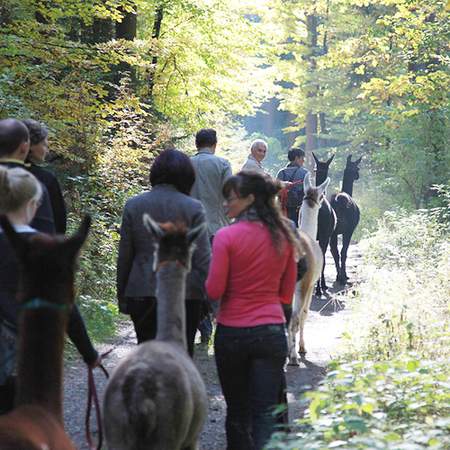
x,y
315,158
331,159
307,183
76,241
349,158
17,242
358,161
152,227
323,187
194,233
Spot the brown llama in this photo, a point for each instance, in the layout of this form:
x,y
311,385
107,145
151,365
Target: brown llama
x,y
46,294
156,398
308,223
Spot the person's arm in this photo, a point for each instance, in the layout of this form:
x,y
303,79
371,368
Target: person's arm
x,y
227,173
124,260
288,279
202,254
280,175
218,270
78,335
43,220
58,206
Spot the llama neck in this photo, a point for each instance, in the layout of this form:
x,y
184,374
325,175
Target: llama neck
x,y
171,310
347,183
321,176
308,220
40,367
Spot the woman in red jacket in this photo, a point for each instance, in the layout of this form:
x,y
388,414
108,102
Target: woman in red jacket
x,y
252,272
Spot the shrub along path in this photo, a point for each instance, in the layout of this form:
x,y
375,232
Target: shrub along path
x,y
324,326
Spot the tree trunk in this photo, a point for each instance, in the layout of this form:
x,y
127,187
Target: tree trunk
x,y
311,116
126,29
159,14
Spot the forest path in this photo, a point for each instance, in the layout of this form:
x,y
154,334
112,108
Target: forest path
x,y
324,327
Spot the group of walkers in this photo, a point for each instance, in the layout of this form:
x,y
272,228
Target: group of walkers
x,y
249,273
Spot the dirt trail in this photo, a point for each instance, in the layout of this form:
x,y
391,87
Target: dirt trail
x,y
322,335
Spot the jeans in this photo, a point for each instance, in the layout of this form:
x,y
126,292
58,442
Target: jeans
x,y
292,213
250,366
143,314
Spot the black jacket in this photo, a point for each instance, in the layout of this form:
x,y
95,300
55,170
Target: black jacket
x,y
49,180
10,308
43,220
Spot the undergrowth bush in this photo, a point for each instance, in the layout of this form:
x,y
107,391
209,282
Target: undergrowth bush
x,y
390,388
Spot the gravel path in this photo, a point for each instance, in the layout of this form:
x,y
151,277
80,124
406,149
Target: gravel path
x,y
324,326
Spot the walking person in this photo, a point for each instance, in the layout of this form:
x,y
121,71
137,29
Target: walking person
x,y
258,151
20,194
36,158
171,177
252,272
14,149
211,172
294,173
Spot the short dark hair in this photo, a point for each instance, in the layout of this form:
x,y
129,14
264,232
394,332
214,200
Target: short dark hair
x,y
12,134
206,137
173,167
295,152
38,131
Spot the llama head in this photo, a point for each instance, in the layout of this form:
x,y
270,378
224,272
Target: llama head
x,y
173,242
322,167
352,167
47,263
314,195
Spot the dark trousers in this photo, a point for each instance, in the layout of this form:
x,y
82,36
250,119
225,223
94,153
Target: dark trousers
x,y
250,366
7,395
292,213
143,314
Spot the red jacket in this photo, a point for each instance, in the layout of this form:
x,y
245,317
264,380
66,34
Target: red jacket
x,y
250,276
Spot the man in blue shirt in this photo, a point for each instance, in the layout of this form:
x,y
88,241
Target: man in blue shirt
x,y
295,173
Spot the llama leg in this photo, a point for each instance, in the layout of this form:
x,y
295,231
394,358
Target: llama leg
x,y
307,296
321,282
322,278
345,244
293,328
335,253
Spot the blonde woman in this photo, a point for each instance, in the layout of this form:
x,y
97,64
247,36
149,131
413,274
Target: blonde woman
x,y
20,196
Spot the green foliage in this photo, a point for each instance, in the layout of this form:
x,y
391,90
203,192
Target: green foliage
x,y
403,303
400,404
390,387
378,73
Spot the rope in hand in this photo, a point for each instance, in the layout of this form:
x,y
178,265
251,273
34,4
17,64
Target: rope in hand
x,y
93,399
284,195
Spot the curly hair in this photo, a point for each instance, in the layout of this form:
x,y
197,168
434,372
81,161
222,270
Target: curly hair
x,y
38,131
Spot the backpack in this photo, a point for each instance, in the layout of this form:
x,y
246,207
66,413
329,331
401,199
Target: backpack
x,y
295,193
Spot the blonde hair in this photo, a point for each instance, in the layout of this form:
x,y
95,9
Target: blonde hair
x,y
17,187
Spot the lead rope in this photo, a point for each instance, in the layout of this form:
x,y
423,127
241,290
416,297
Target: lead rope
x,y
93,399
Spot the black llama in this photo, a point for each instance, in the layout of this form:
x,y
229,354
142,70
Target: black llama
x,y
327,221
347,213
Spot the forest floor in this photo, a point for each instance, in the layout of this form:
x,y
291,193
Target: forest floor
x,y
323,329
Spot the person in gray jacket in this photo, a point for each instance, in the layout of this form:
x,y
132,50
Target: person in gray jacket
x,y
211,172
171,178
258,151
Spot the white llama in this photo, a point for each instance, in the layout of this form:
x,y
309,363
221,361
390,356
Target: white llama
x,y
308,219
